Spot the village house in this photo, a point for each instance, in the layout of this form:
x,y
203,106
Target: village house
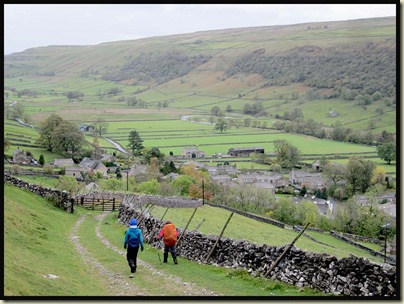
x,y
198,165
261,180
316,166
63,162
87,165
91,188
384,201
192,152
75,171
222,169
325,207
139,172
224,179
93,166
170,177
312,181
20,157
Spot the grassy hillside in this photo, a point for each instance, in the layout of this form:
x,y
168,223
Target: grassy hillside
x,y
315,67
49,252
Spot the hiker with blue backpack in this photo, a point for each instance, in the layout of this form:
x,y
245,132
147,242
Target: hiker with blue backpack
x,y
133,239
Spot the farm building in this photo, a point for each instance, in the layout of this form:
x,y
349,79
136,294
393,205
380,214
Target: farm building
x,y
245,151
86,128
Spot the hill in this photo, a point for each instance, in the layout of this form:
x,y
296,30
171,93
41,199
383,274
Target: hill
x,y
344,67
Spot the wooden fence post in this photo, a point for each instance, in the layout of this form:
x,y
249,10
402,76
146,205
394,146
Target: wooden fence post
x,y
199,225
183,231
217,241
285,251
164,214
72,205
143,217
113,204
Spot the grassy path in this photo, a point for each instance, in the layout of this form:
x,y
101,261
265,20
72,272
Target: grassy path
x,y
148,280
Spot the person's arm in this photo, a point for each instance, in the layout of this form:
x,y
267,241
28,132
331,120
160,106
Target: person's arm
x,y
160,235
125,240
141,240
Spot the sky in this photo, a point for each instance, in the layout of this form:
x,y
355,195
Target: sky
x,y
35,25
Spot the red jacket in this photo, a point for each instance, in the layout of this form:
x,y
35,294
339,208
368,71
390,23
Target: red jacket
x,y
164,231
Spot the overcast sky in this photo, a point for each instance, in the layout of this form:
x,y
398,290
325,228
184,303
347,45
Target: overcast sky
x,y
34,25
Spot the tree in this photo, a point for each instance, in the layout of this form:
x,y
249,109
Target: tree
x,y
150,187
168,167
46,129
334,171
287,155
73,95
284,211
379,176
67,139
215,111
359,174
221,125
113,184
100,126
182,184
387,151
153,169
135,143
149,153
306,212
68,183
41,159
7,144
17,111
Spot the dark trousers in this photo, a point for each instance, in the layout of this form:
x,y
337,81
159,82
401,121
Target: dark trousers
x,y
131,256
169,249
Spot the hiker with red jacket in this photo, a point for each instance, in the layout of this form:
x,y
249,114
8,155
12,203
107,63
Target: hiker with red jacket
x,y
133,239
170,234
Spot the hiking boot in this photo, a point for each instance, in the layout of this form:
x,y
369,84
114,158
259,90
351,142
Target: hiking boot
x,y
175,260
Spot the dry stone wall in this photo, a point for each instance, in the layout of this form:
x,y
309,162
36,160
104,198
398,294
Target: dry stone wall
x,y
62,197
350,276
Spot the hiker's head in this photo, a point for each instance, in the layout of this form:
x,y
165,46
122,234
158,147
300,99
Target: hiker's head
x,y
167,222
133,222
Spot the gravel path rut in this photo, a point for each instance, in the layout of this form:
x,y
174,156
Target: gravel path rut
x,y
119,283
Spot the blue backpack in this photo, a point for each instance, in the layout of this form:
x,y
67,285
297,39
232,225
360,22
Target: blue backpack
x,y
133,241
